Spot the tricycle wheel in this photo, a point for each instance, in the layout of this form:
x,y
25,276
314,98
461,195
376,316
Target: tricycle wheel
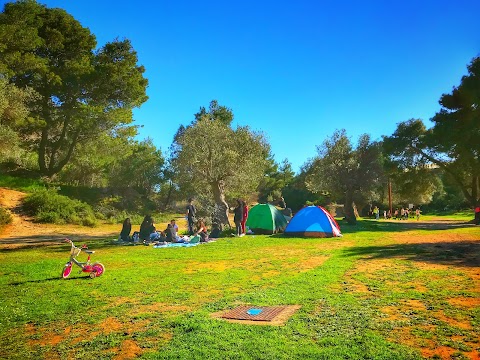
x,y
66,271
98,269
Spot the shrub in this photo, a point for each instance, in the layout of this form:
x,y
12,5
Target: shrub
x,y
47,206
5,216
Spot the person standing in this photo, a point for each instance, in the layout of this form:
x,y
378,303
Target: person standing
x,y
244,217
238,217
191,211
417,213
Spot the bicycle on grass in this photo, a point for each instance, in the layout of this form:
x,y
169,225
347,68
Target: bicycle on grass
x,y
95,269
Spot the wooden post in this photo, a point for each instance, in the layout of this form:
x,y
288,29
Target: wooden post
x,y
390,197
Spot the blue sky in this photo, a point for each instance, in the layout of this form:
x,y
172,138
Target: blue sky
x,y
295,70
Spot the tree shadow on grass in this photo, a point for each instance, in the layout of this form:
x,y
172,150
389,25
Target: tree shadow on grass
x,y
401,225
53,242
40,281
365,225
457,253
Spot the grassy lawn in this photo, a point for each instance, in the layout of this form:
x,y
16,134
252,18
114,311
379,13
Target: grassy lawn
x,y
380,292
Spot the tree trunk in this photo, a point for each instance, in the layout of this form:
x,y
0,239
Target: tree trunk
x,y
169,195
220,215
349,212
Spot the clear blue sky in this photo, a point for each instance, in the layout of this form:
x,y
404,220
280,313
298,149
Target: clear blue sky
x,y
296,70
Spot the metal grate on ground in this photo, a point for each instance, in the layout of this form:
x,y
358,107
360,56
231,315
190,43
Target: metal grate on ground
x,y
268,313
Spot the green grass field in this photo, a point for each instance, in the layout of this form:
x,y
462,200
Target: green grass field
x,y
380,292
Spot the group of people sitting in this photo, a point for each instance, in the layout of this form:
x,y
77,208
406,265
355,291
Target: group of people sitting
x,y
149,234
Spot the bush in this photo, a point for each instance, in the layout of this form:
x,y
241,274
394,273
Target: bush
x,y
47,206
5,216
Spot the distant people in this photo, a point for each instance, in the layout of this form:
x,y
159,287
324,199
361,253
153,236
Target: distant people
x,y
396,214
417,214
376,212
281,203
405,214
146,228
384,214
389,214
477,214
126,229
191,211
402,213
238,217
245,216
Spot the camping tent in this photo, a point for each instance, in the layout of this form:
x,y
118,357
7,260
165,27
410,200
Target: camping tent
x,y
265,219
313,221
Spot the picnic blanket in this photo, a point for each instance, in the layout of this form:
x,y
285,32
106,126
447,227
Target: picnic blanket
x,y
175,245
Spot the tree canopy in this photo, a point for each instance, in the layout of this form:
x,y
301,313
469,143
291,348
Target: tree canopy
x,y
347,172
218,161
452,143
81,92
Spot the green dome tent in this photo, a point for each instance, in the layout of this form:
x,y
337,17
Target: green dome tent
x,y
265,219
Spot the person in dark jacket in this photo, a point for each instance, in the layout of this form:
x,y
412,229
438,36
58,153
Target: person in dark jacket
x,y
238,217
477,214
146,228
126,229
190,215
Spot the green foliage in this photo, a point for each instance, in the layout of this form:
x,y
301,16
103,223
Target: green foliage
x,y
276,179
297,195
452,143
5,216
141,168
88,91
341,170
49,207
215,161
20,183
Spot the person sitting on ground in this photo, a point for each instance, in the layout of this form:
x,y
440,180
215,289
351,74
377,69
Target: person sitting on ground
x,y
126,229
146,228
215,233
201,230
175,226
170,235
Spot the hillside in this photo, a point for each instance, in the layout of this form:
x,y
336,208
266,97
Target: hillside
x,y
23,232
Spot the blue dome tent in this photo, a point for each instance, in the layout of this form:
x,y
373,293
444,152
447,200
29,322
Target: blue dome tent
x,y
313,221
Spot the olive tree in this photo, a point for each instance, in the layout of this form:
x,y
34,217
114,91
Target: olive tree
x,y
346,172
216,160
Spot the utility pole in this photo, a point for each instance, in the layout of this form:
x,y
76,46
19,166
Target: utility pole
x,y
390,197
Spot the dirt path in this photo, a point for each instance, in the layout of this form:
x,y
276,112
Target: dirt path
x,y
23,232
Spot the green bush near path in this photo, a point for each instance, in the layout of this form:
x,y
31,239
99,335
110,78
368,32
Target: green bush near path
x,y
161,299
46,206
5,217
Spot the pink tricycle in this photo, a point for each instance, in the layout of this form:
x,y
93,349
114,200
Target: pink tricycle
x,y
95,269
